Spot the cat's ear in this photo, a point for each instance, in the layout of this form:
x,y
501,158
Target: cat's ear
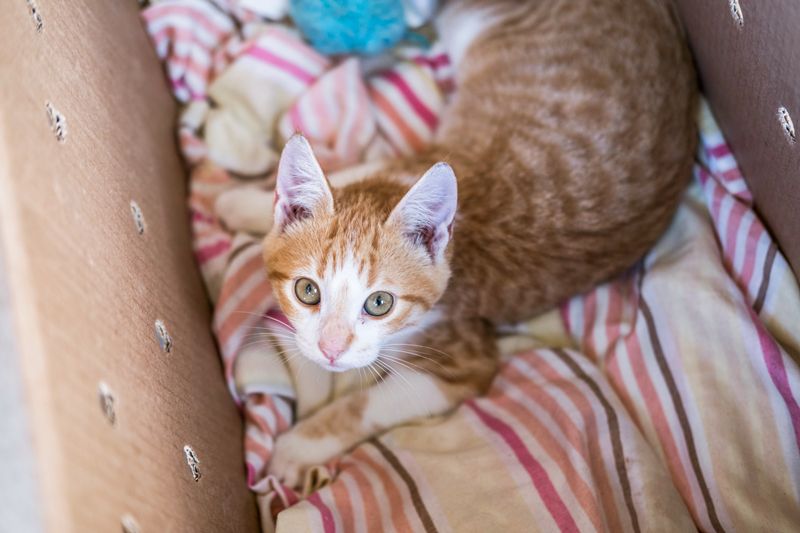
x,y
301,189
425,214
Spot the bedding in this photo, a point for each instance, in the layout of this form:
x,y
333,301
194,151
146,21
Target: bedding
x,y
665,399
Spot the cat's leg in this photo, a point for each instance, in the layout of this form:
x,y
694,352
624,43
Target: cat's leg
x,y
450,363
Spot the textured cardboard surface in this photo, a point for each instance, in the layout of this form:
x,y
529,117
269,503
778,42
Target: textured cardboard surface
x,y
86,288
748,71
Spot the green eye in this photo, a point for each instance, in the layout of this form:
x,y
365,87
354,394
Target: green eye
x,y
379,303
306,291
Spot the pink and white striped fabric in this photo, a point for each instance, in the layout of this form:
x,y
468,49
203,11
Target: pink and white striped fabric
x,y
224,73
666,399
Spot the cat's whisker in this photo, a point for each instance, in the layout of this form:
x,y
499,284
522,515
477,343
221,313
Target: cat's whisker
x,y
265,316
281,322
415,354
287,345
411,367
269,332
407,385
268,336
401,344
250,313
398,359
275,335
264,342
374,372
273,327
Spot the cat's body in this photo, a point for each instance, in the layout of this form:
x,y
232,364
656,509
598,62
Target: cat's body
x,y
571,137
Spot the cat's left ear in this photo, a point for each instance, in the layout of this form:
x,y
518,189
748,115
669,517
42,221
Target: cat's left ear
x,y
301,189
426,213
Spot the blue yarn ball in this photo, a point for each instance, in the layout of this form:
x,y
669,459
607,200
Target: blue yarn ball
x,y
350,26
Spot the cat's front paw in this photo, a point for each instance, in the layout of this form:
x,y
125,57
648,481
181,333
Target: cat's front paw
x,y
295,454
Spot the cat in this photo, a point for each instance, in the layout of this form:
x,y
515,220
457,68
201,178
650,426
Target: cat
x,y
557,165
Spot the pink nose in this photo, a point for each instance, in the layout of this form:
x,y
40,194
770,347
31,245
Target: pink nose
x,y
333,347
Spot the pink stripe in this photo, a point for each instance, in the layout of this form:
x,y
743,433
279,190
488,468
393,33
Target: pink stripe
x,y
211,251
197,216
178,84
436,62
751,251
732,175
718,151
279,62
702,174
717,196
777,371
421,109
734,223
251,475
589,312
325,513
299,47
537,473
191,63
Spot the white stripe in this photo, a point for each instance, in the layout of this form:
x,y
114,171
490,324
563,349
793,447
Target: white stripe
x,y
191,50
575,310
293,53
741,242
201,34
380,495
254,459
273,73
309,123
600,331
559,396
724,217
265,413
356,499
255,433
390,132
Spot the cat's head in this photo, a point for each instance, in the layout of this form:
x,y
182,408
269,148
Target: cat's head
x,y
355,269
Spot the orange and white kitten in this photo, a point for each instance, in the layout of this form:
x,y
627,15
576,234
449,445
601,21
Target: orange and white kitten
x,y
557,165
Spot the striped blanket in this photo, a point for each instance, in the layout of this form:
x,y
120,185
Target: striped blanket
x,y
666,399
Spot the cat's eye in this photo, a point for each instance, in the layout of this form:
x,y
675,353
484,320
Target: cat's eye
x,y
379,303
306,291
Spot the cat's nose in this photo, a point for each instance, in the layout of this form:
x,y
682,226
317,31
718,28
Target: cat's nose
x,y
332,348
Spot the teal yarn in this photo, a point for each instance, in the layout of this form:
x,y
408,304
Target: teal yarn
x,y
350,26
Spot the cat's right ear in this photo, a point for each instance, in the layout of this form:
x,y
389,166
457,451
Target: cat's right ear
x,y
301,189
425,214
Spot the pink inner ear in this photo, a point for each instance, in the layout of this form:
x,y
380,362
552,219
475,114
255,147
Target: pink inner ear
x,y
431,238
294,213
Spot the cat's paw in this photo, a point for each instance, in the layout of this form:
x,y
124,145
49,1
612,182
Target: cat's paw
x,y
294,454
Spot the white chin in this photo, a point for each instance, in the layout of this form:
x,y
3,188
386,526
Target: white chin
x,y
332,368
